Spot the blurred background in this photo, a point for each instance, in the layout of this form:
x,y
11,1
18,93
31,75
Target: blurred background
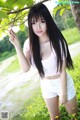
x,y
20,94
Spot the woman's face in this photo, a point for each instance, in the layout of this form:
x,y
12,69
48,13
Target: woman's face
x,y
39,26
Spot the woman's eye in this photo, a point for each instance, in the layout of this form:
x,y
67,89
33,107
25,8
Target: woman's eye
x,y
32,23
43,21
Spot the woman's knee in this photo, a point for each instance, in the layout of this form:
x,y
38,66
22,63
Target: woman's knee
x,y
56,118
71,106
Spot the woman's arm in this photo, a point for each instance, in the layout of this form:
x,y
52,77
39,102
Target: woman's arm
x,y
63,81
24,60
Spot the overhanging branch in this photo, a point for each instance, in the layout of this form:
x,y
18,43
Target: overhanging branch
x,y
20,10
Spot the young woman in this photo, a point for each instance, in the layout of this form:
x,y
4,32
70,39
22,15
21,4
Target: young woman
x,y
48,51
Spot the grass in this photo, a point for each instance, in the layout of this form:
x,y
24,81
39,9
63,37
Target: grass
x,y
6,55
38,112
71,35
35,109
13,67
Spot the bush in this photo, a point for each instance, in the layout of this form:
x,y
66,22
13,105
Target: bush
x,y
5,54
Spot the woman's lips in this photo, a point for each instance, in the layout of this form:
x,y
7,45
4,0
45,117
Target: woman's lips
x,y
38,31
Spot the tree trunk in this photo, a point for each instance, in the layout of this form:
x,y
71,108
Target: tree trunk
x,y
75,7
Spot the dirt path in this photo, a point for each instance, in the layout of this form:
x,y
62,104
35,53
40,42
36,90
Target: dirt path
x,y
74,49
16,88
6,62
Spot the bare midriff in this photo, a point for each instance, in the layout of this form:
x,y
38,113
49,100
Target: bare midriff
x,y
53,77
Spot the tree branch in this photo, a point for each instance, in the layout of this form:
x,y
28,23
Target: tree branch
x,y
20,10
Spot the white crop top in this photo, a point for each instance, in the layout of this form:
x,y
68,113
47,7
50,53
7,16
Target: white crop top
x,y
49,64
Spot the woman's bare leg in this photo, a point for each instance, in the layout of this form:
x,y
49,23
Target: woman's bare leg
x,y
53,107
71,106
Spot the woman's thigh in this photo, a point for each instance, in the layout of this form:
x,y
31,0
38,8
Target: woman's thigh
x,y
53,107
71,106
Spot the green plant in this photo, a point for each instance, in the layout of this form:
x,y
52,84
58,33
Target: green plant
x,y
71,35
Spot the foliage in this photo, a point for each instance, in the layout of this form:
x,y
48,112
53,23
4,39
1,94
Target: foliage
x,y
11,11
76,77
23,35
69,23
6,55
67,4
13,67
71,35
65,21
58,20
14,13
62,6
6,46
35,109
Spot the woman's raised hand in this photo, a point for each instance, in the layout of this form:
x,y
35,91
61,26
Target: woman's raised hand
x,y
13,38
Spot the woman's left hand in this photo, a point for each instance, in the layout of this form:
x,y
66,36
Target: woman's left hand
x,y
63,98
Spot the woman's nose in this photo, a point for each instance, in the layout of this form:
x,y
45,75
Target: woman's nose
x,y
38,25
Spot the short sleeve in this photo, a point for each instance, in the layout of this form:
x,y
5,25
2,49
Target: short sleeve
x,y
63,55
26,46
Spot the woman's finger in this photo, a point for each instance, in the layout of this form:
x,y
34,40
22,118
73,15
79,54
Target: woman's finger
x,y
12,34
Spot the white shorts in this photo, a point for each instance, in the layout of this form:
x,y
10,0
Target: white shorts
x,y
51,88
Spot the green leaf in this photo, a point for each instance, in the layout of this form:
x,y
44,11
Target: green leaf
x,y
68,7
4,22
2,3
9,3
3,14
20,3
61,6
62,11
0,34
22,27
29,2
56,9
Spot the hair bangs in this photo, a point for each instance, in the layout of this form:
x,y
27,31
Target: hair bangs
x,y
35,17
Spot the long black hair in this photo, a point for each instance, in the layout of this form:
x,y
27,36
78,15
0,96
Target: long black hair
x,y
55,36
